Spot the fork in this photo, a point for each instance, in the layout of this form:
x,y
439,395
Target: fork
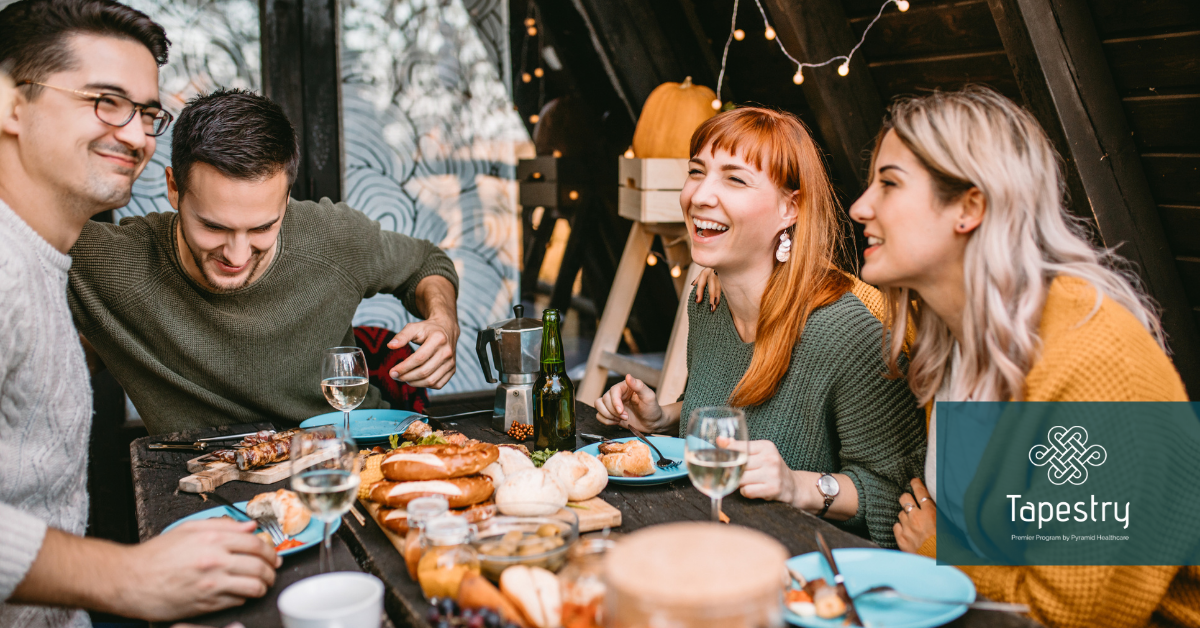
x,y
266,522
981,605
663,461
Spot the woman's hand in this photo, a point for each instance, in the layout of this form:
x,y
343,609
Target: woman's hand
x,y
708,277
918,519
631,403
767,476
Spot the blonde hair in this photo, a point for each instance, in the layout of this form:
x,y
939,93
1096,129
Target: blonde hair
x,y
780,145
976,138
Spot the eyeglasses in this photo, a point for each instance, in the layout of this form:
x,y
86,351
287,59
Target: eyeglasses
x,y
117,110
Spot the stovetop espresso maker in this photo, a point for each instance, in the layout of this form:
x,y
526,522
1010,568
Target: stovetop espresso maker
x,y
516,351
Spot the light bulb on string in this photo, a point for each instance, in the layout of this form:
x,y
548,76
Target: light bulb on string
x,y
739,34
557,153
533,119
676,271
530,21
769,33
538,72
629,153
902,5
716,104
532,30
799,77
525,77
651,260
844,68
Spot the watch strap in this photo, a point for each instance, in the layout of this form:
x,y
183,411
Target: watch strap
x,y
828,498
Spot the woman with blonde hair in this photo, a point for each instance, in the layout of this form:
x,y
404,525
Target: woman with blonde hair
x,y
790,342
969,239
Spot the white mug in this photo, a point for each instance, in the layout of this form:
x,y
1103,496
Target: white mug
x,y
343,599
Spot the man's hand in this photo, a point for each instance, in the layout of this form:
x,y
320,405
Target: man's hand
x,y
199,567
630,403
918,518
432,365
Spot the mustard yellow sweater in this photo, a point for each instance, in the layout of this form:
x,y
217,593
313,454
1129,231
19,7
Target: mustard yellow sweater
x,y
1107,357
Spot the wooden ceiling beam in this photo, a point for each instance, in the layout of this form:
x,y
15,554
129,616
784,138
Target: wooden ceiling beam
x,y
1066,81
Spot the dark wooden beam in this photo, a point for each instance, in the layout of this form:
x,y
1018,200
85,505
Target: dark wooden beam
x,y
848,109
301,41
1067,83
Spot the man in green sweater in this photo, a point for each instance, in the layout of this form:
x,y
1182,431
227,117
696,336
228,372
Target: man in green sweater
x,y
219,313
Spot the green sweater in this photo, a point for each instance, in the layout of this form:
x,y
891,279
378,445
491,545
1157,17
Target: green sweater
x,y
834,411
189,358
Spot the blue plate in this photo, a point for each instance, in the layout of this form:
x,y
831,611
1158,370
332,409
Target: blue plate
x,y
309,536
669,446
369,427
864,568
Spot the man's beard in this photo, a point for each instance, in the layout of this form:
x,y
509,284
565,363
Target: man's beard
x,y
255,259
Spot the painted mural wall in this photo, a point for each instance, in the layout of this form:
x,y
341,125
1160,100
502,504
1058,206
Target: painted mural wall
x,y
431,135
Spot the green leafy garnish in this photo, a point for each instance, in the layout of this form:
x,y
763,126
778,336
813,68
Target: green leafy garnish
x,y
394,440
428,439
542,455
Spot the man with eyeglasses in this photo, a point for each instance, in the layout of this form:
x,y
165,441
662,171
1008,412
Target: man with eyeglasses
x,y
79,130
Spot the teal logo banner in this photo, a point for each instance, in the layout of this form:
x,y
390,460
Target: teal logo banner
x,y
1082,483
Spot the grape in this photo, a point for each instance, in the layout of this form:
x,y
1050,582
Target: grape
x,y
448,607
467,614
433,615
491,619
444,623
475,622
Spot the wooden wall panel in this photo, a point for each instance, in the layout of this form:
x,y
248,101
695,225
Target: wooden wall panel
x,y
922,75
1155,62
1189,272
1182,224
1174,178
1125,16
1165,123
929,30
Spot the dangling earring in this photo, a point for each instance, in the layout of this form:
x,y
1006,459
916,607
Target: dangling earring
x,y
784,252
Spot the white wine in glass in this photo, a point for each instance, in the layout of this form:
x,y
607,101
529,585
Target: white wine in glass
x,y
715,451
329,486
344,379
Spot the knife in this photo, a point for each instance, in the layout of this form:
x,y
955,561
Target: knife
x,y
186,445
851,612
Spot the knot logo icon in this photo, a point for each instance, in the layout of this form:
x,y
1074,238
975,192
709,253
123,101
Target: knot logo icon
x,y
1068,455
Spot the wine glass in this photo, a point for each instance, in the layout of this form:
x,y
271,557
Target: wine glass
x,y
325,477
716,450
344,379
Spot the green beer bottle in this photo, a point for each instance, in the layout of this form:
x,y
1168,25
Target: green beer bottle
x,y
553,394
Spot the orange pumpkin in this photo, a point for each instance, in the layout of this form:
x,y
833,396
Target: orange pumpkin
x,y
670,116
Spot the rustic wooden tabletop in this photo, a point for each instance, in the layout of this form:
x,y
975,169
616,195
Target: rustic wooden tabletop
x,y
365,548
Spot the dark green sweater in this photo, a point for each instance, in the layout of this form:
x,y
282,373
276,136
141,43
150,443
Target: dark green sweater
x,y
834,411
189,358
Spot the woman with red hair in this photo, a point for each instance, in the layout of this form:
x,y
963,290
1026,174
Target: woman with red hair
x,y
791,342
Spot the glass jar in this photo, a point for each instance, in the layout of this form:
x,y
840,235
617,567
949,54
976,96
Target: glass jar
x,y
447,557
582,582
420,510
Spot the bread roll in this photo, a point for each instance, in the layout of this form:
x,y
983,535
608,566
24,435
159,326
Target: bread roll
x,y
530,493
513,460
459,492
535,591
582,473
630,459
437,462
394,519
494,471
476,592
293,516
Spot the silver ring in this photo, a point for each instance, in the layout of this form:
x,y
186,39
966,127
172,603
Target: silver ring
x,y
908,508
924,499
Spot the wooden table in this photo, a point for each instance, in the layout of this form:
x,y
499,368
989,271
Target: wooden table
x,y
156,475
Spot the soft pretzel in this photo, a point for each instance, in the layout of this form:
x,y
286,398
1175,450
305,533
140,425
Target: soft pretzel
x,y
437,462
459,492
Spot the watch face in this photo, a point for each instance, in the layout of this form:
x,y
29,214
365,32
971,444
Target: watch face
x,y
828,485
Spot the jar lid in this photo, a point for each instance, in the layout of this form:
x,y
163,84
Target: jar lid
x,y
696,566
423,509
447,529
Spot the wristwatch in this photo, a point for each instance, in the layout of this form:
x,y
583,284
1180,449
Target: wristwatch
x,y
828,486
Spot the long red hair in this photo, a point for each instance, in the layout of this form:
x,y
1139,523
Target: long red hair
x,y
780,145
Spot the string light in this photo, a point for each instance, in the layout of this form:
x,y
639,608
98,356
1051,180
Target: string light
x,y
557,153
533,119
530,21
629,153
538,72
532,29
769,32
525,78
676,271
651,259
574,195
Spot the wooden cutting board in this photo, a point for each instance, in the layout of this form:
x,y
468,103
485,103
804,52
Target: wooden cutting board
x,y
208,473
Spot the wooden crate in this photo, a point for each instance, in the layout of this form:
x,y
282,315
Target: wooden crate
x,y
648,189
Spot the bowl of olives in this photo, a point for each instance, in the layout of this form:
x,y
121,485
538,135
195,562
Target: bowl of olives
x,y
504,541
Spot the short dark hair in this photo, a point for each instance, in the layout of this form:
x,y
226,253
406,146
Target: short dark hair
x,y
34,44
240,133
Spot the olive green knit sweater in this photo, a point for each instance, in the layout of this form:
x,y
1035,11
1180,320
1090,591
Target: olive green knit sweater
x,y
833,412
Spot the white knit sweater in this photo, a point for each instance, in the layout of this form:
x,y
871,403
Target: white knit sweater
x,y
45,414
